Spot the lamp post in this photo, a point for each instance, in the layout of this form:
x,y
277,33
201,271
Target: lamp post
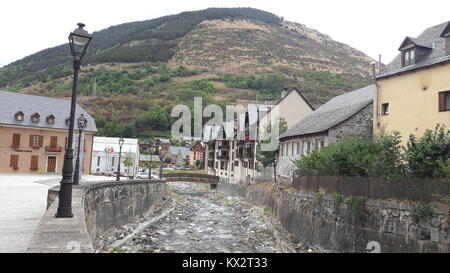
x,y
82,123
121,140
161,157
79,41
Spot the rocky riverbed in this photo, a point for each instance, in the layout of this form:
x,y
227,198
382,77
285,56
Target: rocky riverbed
x,y
201,220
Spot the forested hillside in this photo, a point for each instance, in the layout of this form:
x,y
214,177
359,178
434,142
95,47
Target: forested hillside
x,y
140,70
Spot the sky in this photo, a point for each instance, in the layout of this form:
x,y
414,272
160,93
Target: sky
x,y
373,27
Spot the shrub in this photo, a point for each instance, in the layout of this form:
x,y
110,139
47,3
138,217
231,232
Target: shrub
x,y
356,156
421,210
429,156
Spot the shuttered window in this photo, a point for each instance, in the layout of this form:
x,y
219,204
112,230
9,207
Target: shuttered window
x,y
34,163
36,141
14,162
53,141
444,101
16,141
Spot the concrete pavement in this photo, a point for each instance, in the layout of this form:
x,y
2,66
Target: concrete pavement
x,y
23,199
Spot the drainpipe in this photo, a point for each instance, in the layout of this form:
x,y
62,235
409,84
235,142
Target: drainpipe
x,y
376,120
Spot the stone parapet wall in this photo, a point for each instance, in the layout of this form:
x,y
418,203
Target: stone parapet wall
x,y
330,226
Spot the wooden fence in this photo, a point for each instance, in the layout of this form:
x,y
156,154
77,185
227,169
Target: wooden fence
x,y
376,188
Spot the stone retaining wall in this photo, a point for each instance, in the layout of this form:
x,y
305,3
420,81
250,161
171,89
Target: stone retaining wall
x,y
327,225
97,207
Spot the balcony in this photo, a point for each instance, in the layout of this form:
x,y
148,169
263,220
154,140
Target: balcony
x,y
53,149
223,156
249,154
224,147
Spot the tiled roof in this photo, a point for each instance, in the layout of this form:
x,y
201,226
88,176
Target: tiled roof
x,y
12,102
333,112
429,38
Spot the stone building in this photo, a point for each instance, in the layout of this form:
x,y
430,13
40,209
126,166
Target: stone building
x,y
344,115
33,133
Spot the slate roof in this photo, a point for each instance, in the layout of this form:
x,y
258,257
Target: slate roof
x,y
429,38
148,158
335,111
183,150
12,102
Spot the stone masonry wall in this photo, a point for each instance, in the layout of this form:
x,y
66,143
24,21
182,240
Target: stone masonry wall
x,y
328,226
359,124
108,206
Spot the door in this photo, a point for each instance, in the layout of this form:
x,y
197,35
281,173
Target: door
x,y
51,164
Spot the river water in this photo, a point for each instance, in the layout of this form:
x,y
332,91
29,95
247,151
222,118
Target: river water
x,y
201,220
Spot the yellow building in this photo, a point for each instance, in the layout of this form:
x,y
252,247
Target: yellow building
x,y
413,90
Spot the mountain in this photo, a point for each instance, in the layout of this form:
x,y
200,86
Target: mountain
x,y
226,55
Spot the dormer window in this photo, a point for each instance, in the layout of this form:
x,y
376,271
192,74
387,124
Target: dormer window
x,y
67,121
35,117
414,50
51,119
409,57
19,116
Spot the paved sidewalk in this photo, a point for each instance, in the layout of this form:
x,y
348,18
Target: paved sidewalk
x,y
23,199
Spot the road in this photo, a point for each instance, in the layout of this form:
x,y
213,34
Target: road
x,y
23,199
204,221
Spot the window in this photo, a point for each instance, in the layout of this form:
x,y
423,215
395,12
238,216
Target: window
x,y
35,117
320,143
36,141
34,163
51,119
306,147
444,101
53,141
19,116
236,163
408,57
298,148
293,150
16,141
385,109
288,148
14,162
98,161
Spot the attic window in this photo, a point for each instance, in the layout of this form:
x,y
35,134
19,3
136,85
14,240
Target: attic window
x,y
408,57
35,118
67,121
51,119
19,116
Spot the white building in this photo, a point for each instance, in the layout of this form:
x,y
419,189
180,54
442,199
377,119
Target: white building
x,y
105,155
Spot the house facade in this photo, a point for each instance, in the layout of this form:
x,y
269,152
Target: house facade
x,y
33,134
105,156
413,92
196,152
231,148
344,115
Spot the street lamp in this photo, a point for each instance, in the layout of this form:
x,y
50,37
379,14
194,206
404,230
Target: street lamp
x,y
79,40
121,141
82,123
161,157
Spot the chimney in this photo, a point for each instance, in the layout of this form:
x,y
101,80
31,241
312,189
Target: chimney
x,y
284,93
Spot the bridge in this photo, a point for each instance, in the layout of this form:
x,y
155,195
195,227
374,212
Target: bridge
x,y
192,177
